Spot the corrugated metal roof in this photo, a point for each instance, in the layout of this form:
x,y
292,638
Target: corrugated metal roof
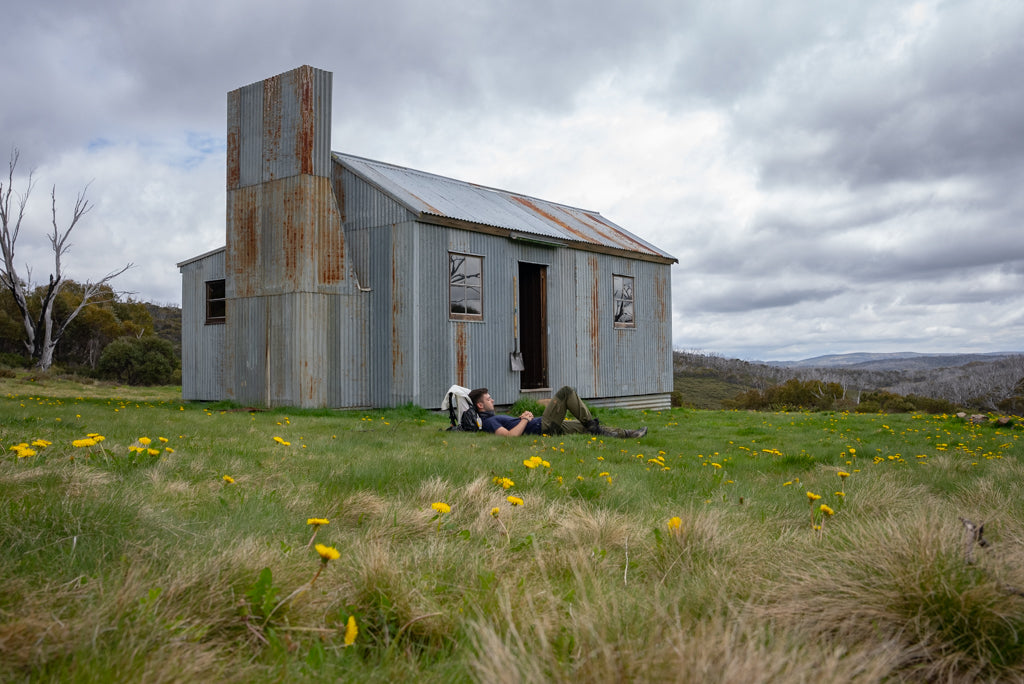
x,y
430,195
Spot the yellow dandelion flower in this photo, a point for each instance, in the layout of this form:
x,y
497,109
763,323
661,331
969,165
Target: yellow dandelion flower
x,y
675,523
717,465
153,452
826,510
41,443
162,439
843,474
441,507
602,474
327,553
351,630
786,484
812,497
317,521
495,511
87,442
228,479
144,441
514,500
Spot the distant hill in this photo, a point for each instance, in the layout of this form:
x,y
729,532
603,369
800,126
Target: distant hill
x,y
707,380
905,361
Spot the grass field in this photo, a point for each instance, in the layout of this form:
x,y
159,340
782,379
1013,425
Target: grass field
x,y
177,547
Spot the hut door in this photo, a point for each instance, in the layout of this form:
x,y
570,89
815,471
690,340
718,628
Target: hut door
x,y
533,325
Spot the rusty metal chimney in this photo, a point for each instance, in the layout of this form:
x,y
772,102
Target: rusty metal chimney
x,y
285,247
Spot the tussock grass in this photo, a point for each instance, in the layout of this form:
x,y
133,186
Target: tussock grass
x,y
153,567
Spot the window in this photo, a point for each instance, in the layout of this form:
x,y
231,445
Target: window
x,y
216,304
622,297
465,287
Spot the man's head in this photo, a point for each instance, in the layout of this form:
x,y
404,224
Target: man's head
x,y
481,399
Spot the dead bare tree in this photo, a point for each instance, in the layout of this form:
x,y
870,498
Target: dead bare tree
x,y
41,331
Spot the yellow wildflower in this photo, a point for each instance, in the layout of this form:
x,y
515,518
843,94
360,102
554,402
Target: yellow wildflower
x,y
317,521
812,497
87,442
675,523
514,500
826,510
351,630
228,479
843,474
153,452
327,553
495,511
717,465
441,507
144,441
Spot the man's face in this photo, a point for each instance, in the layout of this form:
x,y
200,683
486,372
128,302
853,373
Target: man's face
x,y
485,403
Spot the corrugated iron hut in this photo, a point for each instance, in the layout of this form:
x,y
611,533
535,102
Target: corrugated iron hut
x,y
347,282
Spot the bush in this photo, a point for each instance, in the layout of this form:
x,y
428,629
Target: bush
x,y
887,402
10,360
138,361
794,394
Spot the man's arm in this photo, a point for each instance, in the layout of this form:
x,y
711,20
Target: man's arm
x,y
524,418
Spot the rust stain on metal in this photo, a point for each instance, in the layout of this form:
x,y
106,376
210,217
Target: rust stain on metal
x,y
294,233
305,137
550,217
397,293
271,124
243,242
330,237
432,209
613,234
460,354
233,151
595,318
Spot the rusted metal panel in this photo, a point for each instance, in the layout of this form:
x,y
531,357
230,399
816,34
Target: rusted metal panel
x,y
285,236
280,127
426,193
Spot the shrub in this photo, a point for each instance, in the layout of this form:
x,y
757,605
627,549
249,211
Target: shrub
x,y
10,360
138,361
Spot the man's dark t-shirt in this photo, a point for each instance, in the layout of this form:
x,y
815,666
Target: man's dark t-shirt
x,y
492,422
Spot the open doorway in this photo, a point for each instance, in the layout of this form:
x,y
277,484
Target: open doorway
x,y
533,325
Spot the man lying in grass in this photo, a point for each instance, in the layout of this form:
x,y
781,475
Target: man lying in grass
x,y
551,423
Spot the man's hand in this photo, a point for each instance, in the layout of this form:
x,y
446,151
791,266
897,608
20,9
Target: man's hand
x,y
527,415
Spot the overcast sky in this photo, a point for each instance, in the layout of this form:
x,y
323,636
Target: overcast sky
x,y
832,176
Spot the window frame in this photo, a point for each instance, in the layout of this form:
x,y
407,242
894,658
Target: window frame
x,y
629,281
216,305
453,285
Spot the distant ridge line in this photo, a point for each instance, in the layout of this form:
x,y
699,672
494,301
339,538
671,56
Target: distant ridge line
x,y
892,360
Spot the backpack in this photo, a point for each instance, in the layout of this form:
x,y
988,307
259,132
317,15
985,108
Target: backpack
x,y
461,412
